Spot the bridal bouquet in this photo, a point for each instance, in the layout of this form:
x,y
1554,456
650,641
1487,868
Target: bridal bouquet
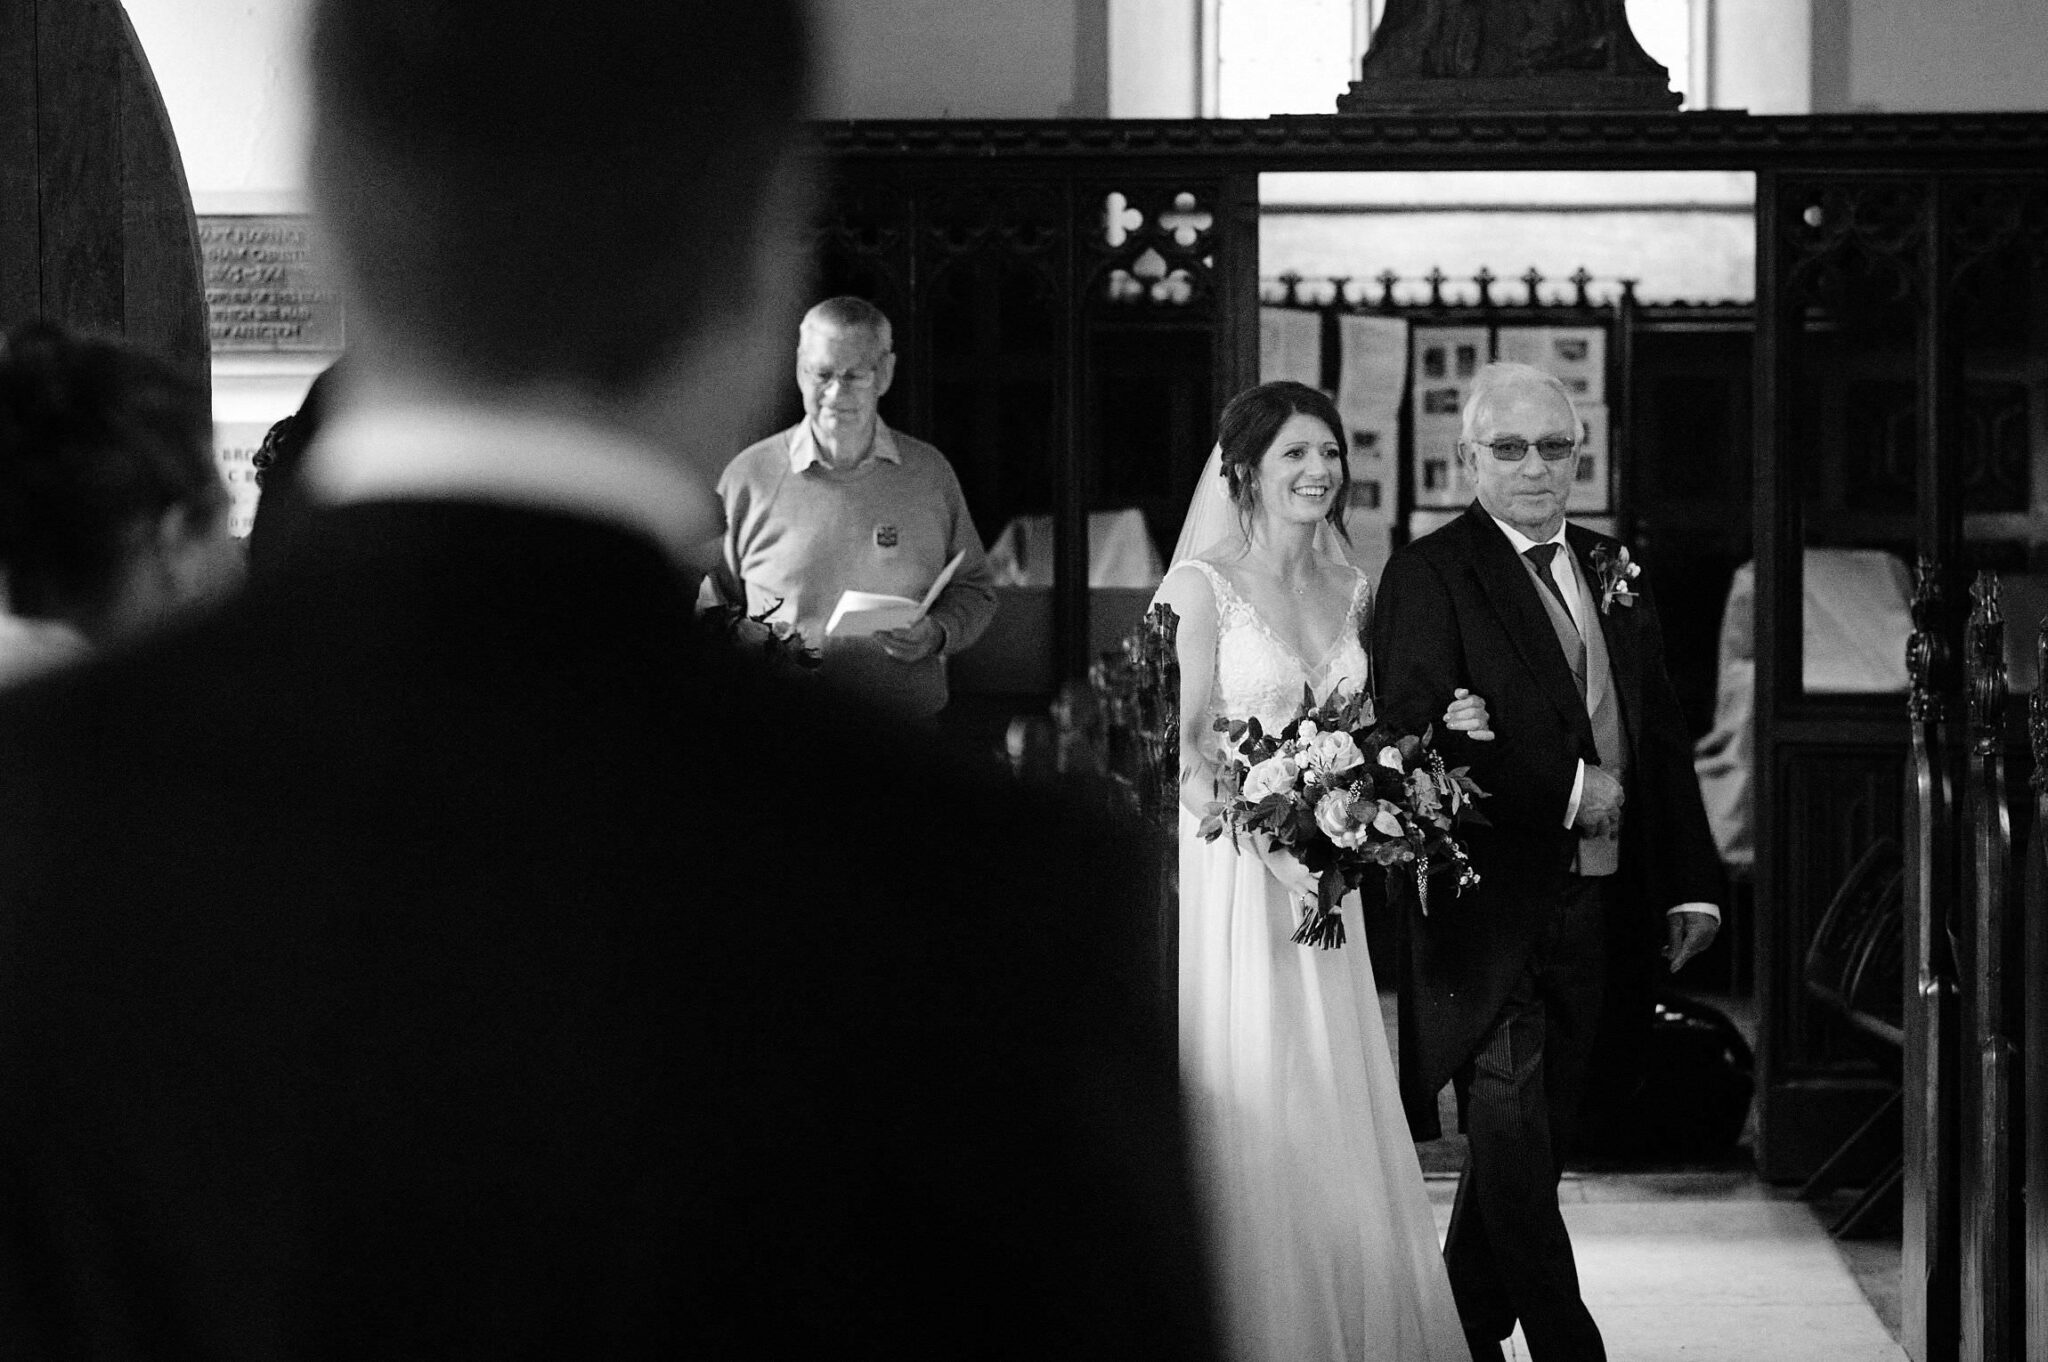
x,y
1342,792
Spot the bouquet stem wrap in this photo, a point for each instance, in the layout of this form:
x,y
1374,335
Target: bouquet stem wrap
x,y
1322,926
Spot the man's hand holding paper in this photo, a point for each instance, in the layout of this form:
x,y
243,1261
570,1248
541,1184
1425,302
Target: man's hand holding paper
x,y
915,643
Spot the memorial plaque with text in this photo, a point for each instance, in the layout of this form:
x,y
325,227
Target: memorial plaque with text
x,y
264,290
234,449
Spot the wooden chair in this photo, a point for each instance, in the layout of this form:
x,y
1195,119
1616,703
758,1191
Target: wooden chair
x,y
1855,966
1929,1233
2034,1084
1139,688
1991,951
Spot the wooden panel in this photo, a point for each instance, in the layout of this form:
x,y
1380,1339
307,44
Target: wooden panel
x,y
1818,1083
163,286
20,230
1237,356
96,226
78,126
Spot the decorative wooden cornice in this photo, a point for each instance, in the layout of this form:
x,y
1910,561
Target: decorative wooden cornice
x,y
1709,139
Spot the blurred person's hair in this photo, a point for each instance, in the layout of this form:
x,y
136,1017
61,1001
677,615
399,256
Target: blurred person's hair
x,y
553,193
98,440
289,437
281,500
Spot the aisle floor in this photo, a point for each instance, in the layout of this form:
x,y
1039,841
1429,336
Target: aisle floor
x,y
1709,1267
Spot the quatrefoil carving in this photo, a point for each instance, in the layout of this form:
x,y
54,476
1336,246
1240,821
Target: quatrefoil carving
x,y
1187,220
1119,219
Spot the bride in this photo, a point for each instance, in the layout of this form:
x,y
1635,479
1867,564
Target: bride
x,y
1321,1234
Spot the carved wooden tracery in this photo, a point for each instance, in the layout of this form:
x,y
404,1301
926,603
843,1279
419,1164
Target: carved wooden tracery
x,y
1150,245
1854,244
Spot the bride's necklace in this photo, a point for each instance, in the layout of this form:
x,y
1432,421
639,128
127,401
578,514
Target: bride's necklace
x,y
1278,573
1297,591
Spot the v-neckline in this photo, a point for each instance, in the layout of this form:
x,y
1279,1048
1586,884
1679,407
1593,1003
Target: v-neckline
x,y
1329,653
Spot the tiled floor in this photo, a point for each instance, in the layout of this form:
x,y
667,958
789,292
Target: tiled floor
x,y
1709,1267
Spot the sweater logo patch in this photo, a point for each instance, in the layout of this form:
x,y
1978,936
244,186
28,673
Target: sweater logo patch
x,y
885,536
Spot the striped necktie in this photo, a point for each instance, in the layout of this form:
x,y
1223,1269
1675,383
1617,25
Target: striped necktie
x,y
1541,555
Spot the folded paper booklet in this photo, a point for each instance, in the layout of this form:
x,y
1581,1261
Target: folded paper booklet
x,y
860,613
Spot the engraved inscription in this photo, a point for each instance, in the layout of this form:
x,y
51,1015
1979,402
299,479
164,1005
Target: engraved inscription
x,y
264,290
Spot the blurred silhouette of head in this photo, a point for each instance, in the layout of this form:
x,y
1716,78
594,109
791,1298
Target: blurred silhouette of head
x,y
113,515
543,198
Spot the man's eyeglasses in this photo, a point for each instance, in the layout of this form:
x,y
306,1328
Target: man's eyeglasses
x,y
1513,448
847,378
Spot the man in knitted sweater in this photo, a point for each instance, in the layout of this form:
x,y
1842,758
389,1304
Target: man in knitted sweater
x,y
840,502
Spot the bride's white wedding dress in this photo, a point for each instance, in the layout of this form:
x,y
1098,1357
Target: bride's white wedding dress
x,y
1321,1232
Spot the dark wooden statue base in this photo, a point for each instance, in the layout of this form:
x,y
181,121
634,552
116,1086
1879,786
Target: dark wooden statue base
x,y
1473,93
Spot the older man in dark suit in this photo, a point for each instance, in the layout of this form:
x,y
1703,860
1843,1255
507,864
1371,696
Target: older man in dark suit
x,y
436,954
1596,827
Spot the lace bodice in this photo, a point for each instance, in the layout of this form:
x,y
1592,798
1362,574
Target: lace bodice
x,y
1257,674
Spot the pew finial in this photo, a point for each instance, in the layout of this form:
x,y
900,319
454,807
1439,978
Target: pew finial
x,y
1985,659
1927,651
2037,708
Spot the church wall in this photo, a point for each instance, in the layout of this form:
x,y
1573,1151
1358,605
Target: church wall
x,y
1905,56
1759,56
966,58
229,72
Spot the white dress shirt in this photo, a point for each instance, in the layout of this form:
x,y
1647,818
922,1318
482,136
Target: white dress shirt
x,y
804,450
543,461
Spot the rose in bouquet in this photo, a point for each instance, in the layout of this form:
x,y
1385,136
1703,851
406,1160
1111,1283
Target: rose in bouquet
x,y
1342,792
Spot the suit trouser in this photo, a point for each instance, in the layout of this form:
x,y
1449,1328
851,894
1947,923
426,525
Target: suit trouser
x,y
1508,1254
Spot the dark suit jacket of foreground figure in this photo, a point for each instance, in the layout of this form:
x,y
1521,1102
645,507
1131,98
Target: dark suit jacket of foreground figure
x,y
433,955
1457,608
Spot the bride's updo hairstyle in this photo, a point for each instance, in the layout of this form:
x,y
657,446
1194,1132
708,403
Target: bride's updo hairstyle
x,y
1250,424
97,441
